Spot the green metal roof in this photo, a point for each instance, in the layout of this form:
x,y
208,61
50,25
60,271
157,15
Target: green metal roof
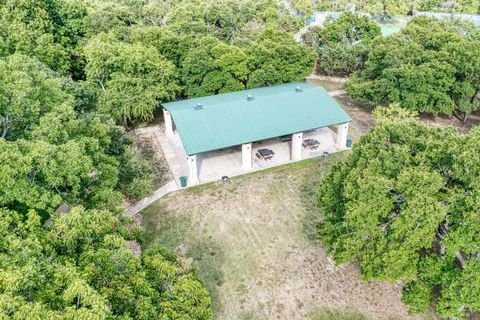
x,y
231,119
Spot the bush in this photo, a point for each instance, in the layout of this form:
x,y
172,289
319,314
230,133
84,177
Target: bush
x,y
137,177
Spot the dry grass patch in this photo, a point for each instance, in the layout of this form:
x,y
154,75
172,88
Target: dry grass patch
x,y
250,241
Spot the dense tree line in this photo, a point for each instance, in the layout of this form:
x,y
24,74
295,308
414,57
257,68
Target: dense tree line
x,y
101,41
342,44
388,8
430,66
405,204
197,48
71,72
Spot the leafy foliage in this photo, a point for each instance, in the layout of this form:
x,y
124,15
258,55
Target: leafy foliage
x,y
405,205
48,30
430,66
193,48
390,8
133,79
136,177
28,90
343,44
276,58
80,266
221,68
229,20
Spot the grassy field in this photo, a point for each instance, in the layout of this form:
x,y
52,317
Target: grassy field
x,y
251,242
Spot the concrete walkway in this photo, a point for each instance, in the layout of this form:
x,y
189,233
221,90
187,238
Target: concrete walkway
x,y
145,202
337,93
169,153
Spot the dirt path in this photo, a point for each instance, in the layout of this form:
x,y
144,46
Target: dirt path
x,y
250,242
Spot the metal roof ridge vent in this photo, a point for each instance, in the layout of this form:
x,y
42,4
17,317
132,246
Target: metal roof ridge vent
x,y
298,89
250,97
198,106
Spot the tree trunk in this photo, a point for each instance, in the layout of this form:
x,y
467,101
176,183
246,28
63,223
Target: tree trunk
x,y
101,84
4,121
472,100
474,96
456,115
465,114
460,259
125,122
442,250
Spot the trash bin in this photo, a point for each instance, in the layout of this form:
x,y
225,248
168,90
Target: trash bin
x,y
183,181
349,142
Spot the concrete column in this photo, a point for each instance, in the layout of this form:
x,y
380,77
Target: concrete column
x,y
247,156
342,133
168,123
192,170
297,146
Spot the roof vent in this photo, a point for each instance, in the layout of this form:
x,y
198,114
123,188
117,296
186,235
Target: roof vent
x,y
198,107
250,97
298,89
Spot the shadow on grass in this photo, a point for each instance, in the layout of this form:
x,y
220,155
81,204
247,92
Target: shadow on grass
x,y
174,232
307,163
308,194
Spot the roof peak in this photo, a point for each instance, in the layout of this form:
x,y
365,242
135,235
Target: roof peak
x,y
260,92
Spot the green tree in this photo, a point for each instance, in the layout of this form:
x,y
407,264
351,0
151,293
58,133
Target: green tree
x,y
132,79
45,173
173,47
350,27
28,90
304,7
386,8
105,16
80,265
404,204
48,30
234,22
343,44
427,67
342,58
214,67
276,58
136,177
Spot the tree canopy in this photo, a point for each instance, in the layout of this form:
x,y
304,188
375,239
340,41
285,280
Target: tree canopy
x,y
430,66
140,54
28,91
389,8
405,205
70,72
343,44
132,79
80,265
276,58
